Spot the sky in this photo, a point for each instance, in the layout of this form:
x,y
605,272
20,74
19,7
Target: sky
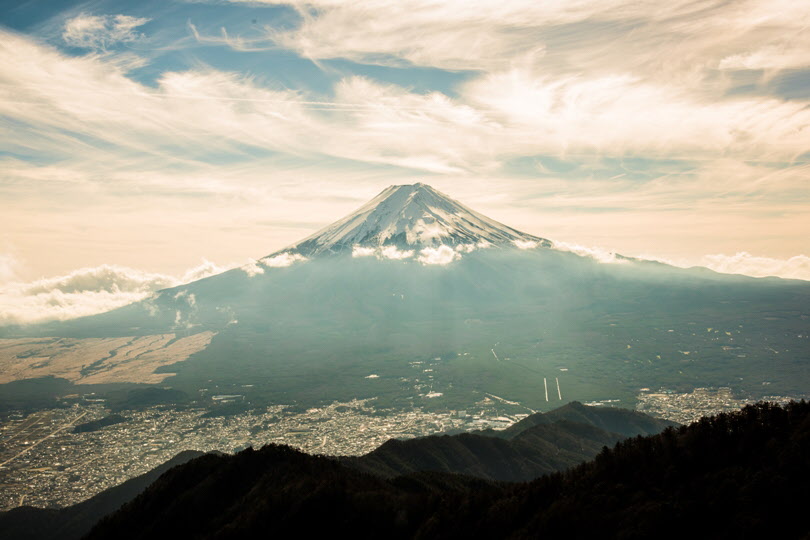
x,y
144,144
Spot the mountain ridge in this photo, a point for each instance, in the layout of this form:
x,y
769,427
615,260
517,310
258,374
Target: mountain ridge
x,y
539,444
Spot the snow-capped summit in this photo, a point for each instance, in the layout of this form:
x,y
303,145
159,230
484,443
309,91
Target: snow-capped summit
x,y
409,217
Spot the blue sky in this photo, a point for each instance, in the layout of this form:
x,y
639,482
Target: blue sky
x,y
152,135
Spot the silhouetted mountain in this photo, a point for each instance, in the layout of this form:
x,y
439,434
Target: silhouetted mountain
x,y
615,420
740,475
539,450
29,523
537,445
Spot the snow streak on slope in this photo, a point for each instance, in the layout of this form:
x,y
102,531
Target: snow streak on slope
x,y
411,217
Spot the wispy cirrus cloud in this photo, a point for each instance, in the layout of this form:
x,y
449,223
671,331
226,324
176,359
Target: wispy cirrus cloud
x,y
101,31
575,108
193,117
574,37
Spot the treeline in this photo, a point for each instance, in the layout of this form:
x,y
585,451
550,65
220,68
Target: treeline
x,y
739,475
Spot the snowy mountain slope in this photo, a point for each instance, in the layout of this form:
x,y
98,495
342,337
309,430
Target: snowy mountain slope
x,y
411,217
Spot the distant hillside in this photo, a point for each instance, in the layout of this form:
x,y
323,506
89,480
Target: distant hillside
x,y
537,445
28,523
740,475
539,450
615,420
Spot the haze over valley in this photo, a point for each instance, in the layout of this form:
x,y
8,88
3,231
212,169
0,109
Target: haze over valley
x,y
417,268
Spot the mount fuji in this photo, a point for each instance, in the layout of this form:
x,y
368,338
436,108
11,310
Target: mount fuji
x,y
412,217
417,300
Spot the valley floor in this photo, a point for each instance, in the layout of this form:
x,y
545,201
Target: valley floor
x,y
44,463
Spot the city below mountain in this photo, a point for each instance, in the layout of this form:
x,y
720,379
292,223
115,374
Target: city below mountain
x,y
738,475
540,444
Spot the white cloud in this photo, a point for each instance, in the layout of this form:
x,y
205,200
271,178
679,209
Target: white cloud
x,y
391,252
86,291
104,278
515,110
453,34
602,115
282,260
360,251
526,244
253,268
469,248
770,57
797,267
101,31
441,255
600,254
8,266
204,270
427,232
386,252
574,36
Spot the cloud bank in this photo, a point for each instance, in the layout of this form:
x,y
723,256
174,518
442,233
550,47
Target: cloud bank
x,y
441,255
797,267
86,291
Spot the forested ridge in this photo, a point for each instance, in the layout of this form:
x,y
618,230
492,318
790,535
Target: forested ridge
x,y
735,475
540,444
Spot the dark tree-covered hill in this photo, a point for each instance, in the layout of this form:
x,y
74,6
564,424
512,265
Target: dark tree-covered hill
x,y
538,450
541,444
28,523
611,419
740,475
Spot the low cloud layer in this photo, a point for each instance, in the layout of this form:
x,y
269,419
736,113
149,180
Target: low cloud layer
x,y
86,291
743,263
89,291
797,267
440,255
